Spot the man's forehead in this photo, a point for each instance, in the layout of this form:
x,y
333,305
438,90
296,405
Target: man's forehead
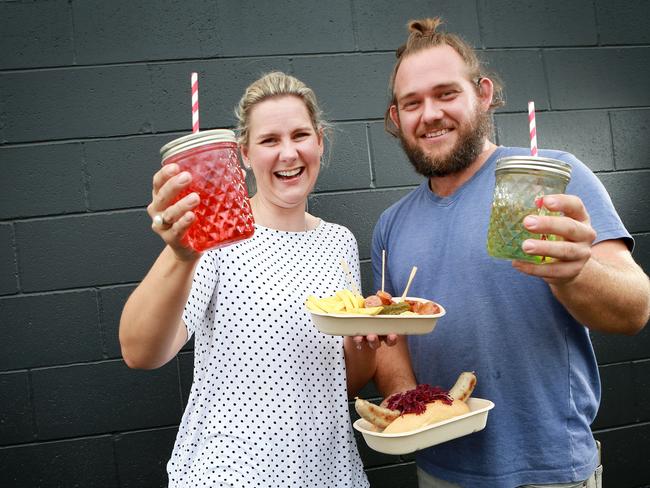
x,y
435,66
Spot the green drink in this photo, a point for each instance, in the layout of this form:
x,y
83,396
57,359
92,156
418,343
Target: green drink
x,y
521,184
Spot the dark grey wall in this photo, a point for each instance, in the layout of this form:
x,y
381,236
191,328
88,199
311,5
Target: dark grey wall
x,y
90,90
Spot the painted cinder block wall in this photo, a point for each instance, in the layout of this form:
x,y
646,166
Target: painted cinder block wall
x,y
90,90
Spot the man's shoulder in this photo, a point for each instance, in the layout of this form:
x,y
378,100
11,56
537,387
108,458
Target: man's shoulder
x,y
405,202
506,151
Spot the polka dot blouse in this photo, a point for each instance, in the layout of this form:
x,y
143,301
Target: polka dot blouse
x,y
268,406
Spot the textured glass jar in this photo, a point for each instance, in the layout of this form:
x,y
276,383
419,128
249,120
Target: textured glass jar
x,y
521,184
224,215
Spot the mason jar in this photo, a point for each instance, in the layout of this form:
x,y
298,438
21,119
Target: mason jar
x,y
224,215
521,184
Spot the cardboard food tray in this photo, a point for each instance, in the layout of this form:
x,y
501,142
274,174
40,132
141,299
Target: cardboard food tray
x,y
430,435
353,325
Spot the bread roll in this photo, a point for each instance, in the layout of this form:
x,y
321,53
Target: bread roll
x,y
435,412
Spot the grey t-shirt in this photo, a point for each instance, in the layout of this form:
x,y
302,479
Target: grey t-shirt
x,y
532,359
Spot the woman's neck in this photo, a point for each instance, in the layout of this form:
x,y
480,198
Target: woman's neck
x,y
293,219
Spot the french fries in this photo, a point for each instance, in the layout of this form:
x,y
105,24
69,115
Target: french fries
x,y
343,302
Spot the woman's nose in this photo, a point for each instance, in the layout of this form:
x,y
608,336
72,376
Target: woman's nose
x,y
288,151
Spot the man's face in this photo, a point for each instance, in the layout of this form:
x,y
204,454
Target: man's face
x,y
442,122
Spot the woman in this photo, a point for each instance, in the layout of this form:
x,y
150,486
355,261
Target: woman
x,y
268,406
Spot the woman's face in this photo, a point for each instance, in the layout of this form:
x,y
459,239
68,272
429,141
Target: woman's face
x,y
284,151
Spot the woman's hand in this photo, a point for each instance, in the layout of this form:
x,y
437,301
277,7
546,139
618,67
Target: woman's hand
x,y
176,218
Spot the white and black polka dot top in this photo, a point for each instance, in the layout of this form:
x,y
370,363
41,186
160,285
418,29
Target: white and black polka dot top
x,y
268,406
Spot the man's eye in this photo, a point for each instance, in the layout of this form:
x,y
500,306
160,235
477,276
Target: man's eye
x,y
411,104
448,95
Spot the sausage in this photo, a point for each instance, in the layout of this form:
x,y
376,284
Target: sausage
x,y
385,297
372,301
427,308
376,415
464,386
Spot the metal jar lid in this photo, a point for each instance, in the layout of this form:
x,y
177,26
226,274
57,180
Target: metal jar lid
x,y
534,164
197,139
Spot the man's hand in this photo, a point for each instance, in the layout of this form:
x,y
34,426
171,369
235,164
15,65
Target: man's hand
x,y
374,341
569,255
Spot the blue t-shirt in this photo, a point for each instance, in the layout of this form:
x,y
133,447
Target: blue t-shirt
x,y
531,358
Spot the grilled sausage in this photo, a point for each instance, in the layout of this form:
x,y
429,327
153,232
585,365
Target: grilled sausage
x,y
376,415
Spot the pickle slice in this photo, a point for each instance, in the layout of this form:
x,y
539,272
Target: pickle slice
x,y
394,308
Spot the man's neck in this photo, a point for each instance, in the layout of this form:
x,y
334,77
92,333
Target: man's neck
x,y
445,186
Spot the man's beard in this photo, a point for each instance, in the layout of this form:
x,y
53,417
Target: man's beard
x,y
469,145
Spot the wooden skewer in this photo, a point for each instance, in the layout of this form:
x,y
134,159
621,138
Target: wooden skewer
x,y
383,267
408,284
346,269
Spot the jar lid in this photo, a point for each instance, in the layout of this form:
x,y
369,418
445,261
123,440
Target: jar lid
x,y
197,139
535,163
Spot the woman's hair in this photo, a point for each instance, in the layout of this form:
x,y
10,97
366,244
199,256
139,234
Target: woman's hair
x,y
271,85
424,35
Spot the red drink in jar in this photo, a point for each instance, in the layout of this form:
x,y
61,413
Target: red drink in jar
x,y
224,215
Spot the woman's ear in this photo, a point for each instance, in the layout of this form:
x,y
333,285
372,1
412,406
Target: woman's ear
x,y
243,150
321,142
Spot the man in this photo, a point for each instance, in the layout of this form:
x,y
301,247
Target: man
x,y
522,327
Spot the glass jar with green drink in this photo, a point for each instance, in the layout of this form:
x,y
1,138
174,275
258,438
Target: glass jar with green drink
x,y
521,184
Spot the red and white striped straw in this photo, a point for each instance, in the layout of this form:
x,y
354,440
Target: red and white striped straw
x,y
532,128
195,102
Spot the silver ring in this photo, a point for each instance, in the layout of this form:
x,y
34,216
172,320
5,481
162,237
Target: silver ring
x,y
159,221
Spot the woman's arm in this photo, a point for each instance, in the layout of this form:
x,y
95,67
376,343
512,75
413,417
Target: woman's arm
x,y
151,327
359,364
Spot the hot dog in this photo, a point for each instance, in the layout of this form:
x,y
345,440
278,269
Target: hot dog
x,y
421,406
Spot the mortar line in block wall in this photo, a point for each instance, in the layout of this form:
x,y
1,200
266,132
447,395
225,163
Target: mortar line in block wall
x,y
337,54
32,406
612,139
85,176
100,323
37,443
621,427
370,158
61,291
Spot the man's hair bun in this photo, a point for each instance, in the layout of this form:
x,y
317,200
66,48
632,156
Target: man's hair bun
x,y
424,27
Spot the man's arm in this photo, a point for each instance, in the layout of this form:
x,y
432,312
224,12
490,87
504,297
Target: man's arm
x,y
394,373
601,286
611,292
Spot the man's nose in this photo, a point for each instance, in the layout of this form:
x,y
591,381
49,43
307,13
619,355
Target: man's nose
x,y
432,111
